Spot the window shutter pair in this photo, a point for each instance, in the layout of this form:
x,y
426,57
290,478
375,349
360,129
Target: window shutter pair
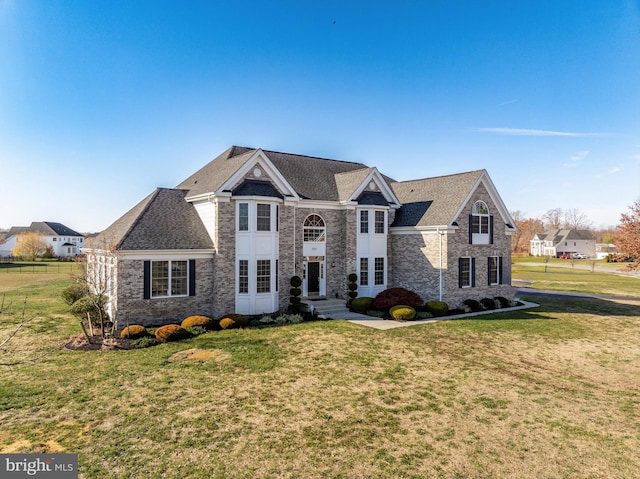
x,y
472,273
146,288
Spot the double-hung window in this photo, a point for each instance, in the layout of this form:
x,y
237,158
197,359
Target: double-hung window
x,y
169,278
364,222
378,272
263,217
263,276
243,217
379,222
364,271
466,272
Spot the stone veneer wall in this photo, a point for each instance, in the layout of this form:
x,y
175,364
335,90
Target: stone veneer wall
x,y
415,259
154,312
224,277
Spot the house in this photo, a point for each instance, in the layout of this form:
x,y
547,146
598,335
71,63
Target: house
x,y
230,237
64,241
559,242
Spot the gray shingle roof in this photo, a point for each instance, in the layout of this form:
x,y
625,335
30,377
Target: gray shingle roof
x,y
47,228
560,235
433,201
311,177
161,221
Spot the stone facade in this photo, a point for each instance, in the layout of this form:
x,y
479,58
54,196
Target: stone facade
x,y
153,312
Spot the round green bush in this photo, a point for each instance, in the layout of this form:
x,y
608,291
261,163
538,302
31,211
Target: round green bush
x,y
135,331
352,278
296,281
197,320
437,308
402,312
74,292
171,332
362,304
295,291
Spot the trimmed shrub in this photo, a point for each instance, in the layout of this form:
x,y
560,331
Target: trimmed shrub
x,y
504,302
402,312
228,323
352,286
489,303
437,308
361,304
352,277
74,292
171,332
376,313
474,305
135,331
423,315
395,296
295,292
197,320
241,320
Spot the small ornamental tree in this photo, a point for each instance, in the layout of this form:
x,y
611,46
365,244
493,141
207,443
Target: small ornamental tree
x,y
353,287
295,292
628,237
394,296
30,245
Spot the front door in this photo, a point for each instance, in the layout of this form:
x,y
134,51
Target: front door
x,y
313,278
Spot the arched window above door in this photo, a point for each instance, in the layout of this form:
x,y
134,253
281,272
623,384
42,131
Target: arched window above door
x,y
314,228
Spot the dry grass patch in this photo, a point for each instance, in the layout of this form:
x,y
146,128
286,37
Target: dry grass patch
x,y
196,354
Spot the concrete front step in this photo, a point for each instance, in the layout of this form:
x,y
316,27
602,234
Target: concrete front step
x,y
333,308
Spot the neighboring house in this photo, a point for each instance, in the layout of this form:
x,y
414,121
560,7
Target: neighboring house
x,y
64,241
605,249
230,237
564,241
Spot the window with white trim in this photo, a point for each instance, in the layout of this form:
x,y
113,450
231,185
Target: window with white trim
x,y
243,276
494,270
263,217
263,276
480,218
378,271
314,229
379,223
364,222
364,271
465,273
169,278
243,217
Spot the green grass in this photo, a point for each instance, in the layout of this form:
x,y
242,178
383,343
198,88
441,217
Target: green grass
x,y
575,279
547,392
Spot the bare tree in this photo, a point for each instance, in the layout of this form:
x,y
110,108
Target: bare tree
x,y
527,228
576,219
553,219
23,323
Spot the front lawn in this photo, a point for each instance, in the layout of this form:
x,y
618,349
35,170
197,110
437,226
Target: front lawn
x,y
549,392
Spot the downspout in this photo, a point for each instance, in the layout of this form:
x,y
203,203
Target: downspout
x,y
441,234
294,239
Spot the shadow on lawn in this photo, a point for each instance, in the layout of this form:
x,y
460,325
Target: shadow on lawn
x,y
575,304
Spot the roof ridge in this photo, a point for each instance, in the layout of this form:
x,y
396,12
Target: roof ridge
x,y
482,170
316,157
134,223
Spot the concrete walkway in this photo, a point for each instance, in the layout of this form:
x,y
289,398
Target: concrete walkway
x,y
336,308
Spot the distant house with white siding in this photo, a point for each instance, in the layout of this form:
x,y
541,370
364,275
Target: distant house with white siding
x,y
64,241
564,241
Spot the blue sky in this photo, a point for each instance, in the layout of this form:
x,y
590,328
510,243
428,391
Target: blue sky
x,y
103,101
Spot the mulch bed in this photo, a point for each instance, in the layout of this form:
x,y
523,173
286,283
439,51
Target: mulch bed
x,y
80,343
